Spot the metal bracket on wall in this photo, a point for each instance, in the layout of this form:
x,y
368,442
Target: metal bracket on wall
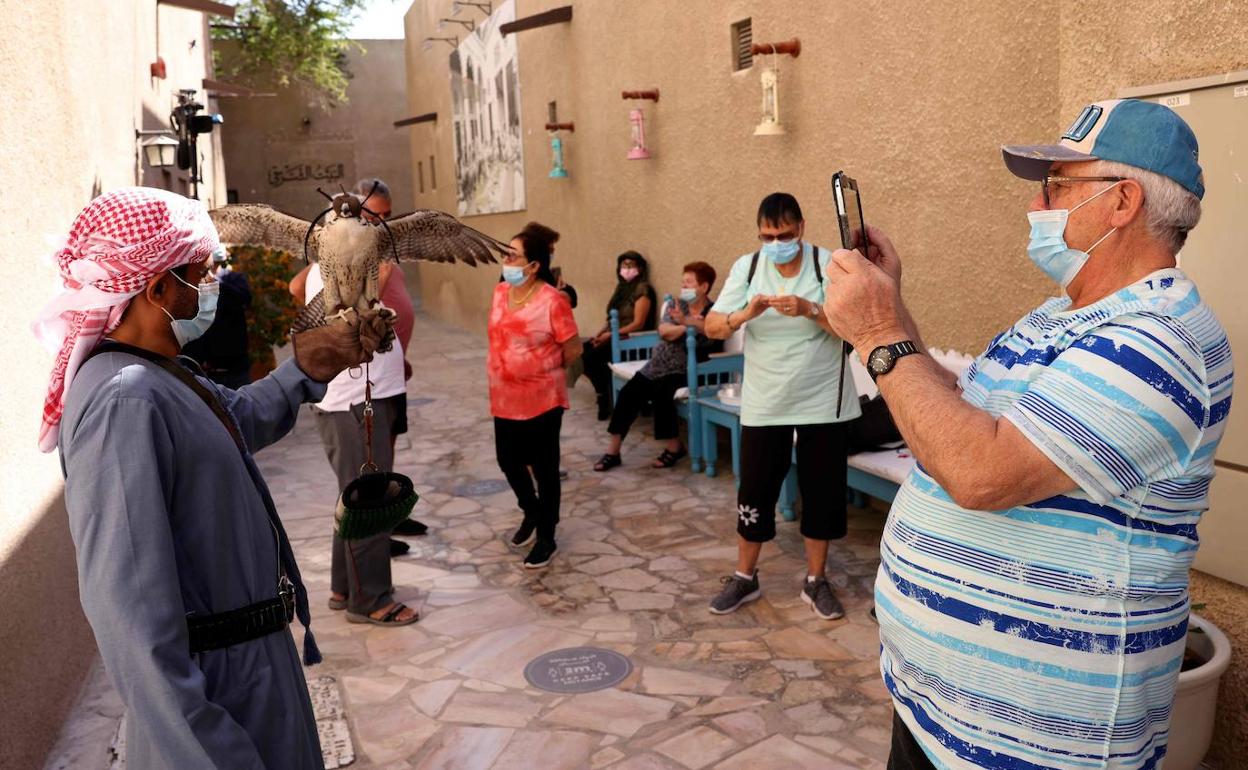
x,y
791,47
543,19
428,117
560,126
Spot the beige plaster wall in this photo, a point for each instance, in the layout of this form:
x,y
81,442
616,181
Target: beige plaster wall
x,y
912,99
266,135
697,198
75,86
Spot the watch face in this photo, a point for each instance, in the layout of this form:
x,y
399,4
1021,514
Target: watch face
x,y
879,360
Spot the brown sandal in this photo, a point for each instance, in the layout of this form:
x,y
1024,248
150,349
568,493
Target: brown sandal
x,y
389,619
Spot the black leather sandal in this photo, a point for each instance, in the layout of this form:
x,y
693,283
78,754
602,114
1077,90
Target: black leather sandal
x,y
669,459
607,462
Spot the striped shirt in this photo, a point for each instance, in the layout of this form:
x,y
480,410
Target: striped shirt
x,y
1050,635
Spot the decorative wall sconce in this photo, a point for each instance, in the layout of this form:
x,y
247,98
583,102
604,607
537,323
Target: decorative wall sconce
x,y
427,43
467,24
770,125
557,168
459,5
637,122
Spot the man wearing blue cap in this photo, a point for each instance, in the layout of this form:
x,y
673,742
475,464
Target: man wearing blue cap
x,y
1033,585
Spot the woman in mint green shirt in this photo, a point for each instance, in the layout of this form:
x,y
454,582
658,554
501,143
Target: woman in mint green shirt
x,y
792,387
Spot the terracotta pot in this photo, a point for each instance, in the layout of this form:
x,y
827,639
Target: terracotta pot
x,y
1196,698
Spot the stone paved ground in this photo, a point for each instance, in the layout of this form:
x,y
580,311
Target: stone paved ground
x,y
641,551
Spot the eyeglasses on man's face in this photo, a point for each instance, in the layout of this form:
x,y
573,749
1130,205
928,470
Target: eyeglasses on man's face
x,y
1053,180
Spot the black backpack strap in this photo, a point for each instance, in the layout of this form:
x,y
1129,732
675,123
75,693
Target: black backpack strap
x,y
187,379
814,250
753,266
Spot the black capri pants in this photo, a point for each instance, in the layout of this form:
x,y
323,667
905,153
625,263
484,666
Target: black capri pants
x,y
766,454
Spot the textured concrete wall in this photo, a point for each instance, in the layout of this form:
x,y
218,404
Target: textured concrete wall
x,y
918,124
911,99
1224,606
268,135
74,78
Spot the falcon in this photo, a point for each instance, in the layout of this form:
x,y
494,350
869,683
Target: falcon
x,y
350,249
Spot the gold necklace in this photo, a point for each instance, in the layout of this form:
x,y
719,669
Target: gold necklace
x,y
520,303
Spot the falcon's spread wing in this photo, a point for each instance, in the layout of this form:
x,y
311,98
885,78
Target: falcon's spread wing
x,y
434,236
256,224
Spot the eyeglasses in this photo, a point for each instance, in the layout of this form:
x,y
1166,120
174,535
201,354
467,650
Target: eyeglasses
x,y
1050,179
782,237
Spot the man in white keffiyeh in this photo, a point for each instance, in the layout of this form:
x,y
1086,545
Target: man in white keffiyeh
x,y
185,571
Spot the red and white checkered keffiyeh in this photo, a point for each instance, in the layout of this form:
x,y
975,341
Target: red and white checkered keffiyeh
x,y
117,245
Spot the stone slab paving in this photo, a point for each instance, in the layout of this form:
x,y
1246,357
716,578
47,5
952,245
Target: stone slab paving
x,y
641,552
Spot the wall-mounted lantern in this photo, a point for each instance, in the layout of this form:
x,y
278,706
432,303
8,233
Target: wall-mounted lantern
x,y
638,151
159,149
427,43
637,124
557,168
770,125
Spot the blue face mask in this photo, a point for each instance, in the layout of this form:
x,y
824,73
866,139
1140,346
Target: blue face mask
x,y
1047,246
514,275
781,252
187,329
688,295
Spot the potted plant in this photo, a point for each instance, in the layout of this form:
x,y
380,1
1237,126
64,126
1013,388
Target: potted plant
x,y
273,309
1207,657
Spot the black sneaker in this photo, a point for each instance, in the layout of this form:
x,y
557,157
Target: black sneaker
x,y
410,528
541,554
524,535
398,548
737,591
819,595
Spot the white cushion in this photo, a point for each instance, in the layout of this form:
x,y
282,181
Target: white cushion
x,y
626,369
681,394
862,379
891,464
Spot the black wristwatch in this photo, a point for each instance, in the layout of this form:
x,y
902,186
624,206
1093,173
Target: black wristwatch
x,y
884,358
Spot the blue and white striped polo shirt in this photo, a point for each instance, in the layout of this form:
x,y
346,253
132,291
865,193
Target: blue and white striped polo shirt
x,y
1050,635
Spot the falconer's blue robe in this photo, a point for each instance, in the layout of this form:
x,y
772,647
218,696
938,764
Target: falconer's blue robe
x,y
168,518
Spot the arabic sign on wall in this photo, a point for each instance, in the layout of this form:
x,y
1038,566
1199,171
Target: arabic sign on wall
x,y
485,102
303,172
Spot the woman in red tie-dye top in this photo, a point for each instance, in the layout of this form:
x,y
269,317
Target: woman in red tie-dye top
x,y
533,338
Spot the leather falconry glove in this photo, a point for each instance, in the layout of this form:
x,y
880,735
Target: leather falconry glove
x,y
324,351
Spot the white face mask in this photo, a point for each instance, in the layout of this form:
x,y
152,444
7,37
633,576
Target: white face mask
x,y
688,295
188,329
1047,245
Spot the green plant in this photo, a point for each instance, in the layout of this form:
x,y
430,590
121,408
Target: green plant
x,y
272,309
285,43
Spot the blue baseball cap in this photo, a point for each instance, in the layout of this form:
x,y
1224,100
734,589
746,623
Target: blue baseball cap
x,y
1143,134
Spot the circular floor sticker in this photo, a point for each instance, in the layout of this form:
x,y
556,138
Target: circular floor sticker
x,y
578,669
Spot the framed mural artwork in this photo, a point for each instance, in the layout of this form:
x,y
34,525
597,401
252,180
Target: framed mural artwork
x,y
485,100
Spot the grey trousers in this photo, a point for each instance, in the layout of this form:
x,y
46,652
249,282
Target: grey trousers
x,y
360,569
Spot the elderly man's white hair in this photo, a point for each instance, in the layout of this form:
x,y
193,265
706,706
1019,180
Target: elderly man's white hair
x,y
1170,210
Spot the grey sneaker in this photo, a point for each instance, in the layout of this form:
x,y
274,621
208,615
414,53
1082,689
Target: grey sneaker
x,y
822,600
737,591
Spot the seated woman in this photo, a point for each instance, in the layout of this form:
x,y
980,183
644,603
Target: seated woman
x,y
665,372
634,299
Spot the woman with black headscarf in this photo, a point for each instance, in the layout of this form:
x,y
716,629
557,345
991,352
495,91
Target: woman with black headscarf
x,y
634,299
